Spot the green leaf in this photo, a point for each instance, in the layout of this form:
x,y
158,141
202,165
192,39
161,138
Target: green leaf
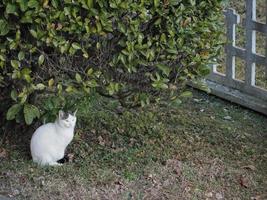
x,y
13,111
4,29
60,88
51,82
40,86
23,4
174,2
172,51
15,64
160,85
85,54
164,86
21,55
78,78
75,45
90,71
90,3
23,98
55,3
26,74
164,68
204,71
45,3
11,9
27,77
92,83
69,89
186,94
193,2
156,3
33,4
205,88
176,103
2,57
30,113
34,33
14,95
122,27
98,27
98,45
41,59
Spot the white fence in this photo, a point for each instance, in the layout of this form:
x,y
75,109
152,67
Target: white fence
x,y
226,85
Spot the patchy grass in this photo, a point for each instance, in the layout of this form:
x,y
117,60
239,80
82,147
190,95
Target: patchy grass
x,y
206,149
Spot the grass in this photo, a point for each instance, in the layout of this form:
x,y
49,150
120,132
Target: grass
x,y
206,149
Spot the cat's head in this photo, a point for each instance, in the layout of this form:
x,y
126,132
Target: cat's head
x,y
67,119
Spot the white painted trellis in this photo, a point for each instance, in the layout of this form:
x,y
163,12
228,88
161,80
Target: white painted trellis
x,y
245,92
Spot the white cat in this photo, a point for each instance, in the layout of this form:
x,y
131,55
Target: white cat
x,y
50,140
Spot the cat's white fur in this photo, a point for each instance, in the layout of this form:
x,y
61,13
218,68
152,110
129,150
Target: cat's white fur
x,y
50,140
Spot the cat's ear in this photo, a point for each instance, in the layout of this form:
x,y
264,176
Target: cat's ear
x,y
74,114
61,114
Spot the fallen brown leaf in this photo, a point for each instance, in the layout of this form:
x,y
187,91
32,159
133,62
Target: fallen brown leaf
x,y
258,197
59,26
243,181
101,141
3,153
120,130
175,165
93,131
71,157
118,183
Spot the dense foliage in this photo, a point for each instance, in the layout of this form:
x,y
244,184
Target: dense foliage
x,y
129,50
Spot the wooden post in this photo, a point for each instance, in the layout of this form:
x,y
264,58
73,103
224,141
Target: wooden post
x,y
266,41
250,42
232,18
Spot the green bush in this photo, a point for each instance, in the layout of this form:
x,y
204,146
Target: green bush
x,y
130,50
